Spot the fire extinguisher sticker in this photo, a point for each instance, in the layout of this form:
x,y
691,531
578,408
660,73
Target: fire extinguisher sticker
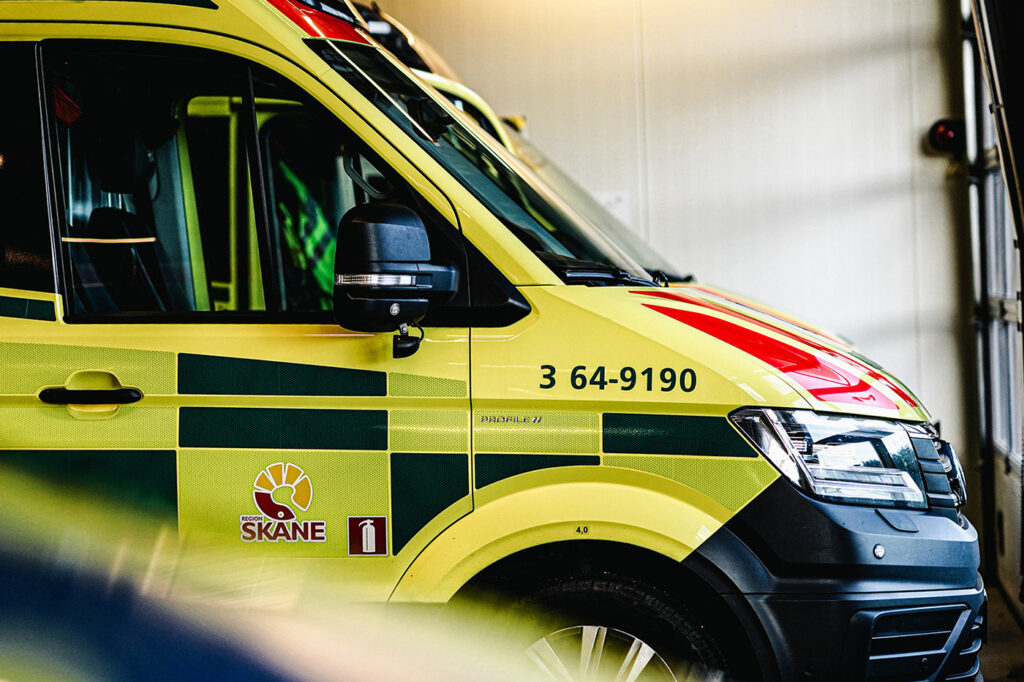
x,y
367,536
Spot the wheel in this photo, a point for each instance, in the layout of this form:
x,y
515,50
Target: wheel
x,y
613,627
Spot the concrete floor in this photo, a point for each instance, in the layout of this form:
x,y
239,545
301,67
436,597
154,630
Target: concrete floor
x,y
1002,658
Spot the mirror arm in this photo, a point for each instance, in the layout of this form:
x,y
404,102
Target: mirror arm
x,y
403,345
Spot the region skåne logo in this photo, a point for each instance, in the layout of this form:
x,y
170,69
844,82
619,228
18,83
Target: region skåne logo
x,y
279,491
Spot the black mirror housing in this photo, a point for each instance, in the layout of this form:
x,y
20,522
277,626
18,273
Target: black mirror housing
x,y
383,277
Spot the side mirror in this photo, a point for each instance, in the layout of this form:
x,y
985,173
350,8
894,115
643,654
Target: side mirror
x,y
517,123
383,278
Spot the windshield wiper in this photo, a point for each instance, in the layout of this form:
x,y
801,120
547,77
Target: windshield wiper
x,y
663,278
590,273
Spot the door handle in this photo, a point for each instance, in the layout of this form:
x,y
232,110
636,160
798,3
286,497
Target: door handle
x,y
91,394
109,396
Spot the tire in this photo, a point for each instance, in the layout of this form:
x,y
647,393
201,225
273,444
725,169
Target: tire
x,y
615,627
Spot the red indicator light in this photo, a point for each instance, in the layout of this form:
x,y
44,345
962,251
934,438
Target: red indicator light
x,y
948,135
316,23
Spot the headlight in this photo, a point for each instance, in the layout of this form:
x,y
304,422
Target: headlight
x,y
838,458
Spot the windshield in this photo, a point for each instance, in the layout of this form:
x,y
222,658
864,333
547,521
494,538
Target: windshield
x,y
591,208
567,243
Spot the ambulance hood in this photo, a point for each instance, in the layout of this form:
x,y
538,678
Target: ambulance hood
x,y
757,347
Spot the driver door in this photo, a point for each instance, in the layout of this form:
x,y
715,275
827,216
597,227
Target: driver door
x,y
201,197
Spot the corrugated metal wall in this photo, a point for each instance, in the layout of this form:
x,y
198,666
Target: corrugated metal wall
x,y
773,148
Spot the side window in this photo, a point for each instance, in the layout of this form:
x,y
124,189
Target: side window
x,y
317,170
25,251
309,165
152,149
150,216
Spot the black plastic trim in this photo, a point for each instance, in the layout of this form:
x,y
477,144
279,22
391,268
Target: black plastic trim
x,y
26,253
804,573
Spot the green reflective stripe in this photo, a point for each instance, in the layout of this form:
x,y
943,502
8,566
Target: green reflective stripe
x,y
300,429
211,375
144,479
663,434
414,385
730,481
27,309
493,468
423,486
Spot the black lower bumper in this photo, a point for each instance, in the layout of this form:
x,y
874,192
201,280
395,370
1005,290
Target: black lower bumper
x,y
896,636
804,581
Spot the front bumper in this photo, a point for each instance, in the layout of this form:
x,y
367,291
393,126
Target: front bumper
x,y
883,636
803,580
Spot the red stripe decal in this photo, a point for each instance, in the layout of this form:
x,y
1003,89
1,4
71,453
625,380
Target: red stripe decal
x,y
866,369
821,379
318,24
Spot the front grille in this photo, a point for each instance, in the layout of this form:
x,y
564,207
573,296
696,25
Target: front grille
x,y
932,643
965,662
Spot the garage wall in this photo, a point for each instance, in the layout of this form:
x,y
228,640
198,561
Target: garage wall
x,y
773,148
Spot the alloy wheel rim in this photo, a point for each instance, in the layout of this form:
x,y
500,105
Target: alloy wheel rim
x,y
594,653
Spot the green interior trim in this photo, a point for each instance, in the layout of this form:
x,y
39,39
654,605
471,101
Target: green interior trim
x,y
204,107
195,240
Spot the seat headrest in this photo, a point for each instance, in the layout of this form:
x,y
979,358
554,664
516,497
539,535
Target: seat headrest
x,y
119,136
115,223
117,159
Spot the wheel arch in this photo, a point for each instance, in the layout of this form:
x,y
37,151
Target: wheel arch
x,y
587,504
641,525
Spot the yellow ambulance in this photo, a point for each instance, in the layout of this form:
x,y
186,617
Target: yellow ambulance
x,y
254,274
